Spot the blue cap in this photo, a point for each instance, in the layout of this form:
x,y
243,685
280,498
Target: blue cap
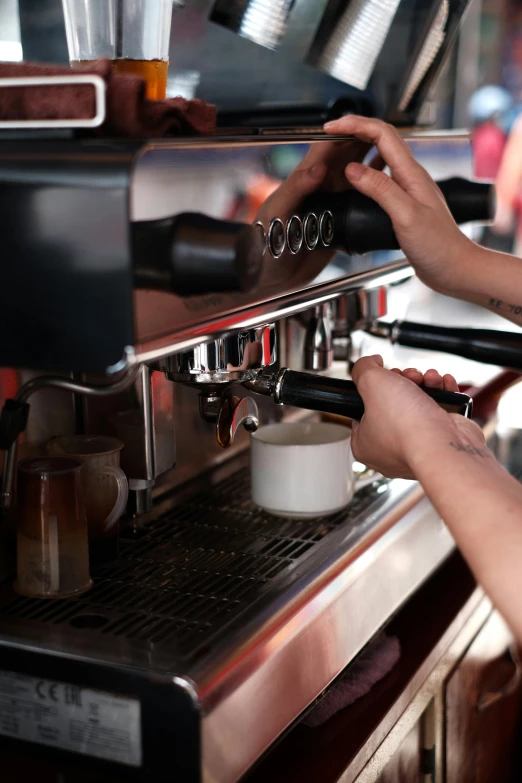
x,y
488,102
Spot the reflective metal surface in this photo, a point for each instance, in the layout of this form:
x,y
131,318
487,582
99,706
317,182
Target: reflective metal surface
x,y
276,238
351,51
311,230
303,646
318,349
236,74
282,307
326,228
252,180
366,306
145,420
233,413
138,434
229,359
262,21
258,614
149,446
427,55
46,382
294,234
355,311
249,180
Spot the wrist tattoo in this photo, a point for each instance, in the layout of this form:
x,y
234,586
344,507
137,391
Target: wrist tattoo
x,y
505,307
484,453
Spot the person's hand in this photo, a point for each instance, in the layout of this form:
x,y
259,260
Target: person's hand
x,y
504,222
424,226
399,417
322,168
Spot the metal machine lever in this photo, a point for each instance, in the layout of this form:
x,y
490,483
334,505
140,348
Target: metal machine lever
x,y
488,346
333,395
191,254
318,348
362,226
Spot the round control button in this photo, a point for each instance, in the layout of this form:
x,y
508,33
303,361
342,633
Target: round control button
x,y
311,231
327,228
276,238
261,239
294,234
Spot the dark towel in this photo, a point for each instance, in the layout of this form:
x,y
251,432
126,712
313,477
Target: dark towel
x,y
372,665
129,113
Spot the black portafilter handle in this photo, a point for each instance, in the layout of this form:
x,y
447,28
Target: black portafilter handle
x,y
488,346
332,395
362,226
193,254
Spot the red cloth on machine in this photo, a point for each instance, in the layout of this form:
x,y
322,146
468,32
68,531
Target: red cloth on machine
x,y
129,114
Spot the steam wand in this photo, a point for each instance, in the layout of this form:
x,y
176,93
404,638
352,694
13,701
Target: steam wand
x,y
311,392
15,413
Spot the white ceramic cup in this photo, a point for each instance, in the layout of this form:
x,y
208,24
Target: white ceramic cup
x,y
302,470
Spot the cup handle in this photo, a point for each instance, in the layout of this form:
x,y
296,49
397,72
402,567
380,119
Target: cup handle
x,y
121,500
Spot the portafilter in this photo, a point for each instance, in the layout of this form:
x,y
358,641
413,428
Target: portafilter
x,y
246,359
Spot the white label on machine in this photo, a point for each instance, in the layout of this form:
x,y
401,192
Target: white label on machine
x,y
65,716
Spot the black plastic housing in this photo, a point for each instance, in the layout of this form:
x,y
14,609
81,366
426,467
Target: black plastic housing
x,y
194,254
340,397
362,226
488,346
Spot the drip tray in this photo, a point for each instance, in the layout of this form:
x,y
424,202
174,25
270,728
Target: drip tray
x,y
221,623
195,573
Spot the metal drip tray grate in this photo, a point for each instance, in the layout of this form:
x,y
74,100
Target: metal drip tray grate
x,y
197,569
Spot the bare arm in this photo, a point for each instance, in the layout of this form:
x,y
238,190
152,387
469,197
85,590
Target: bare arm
x,y
492,280
482,506
403,433
443,257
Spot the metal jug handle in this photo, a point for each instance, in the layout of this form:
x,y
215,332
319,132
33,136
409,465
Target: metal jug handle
x,y
121,500
233,412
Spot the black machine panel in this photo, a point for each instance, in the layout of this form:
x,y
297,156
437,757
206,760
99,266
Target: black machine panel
x,y
194,580
65,271
109,246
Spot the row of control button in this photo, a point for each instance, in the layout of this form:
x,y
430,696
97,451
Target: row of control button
x,y
296,232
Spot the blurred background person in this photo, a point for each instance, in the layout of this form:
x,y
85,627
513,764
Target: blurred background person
x,y
509,189
489,109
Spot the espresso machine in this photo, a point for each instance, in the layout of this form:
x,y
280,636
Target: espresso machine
x,y
137,299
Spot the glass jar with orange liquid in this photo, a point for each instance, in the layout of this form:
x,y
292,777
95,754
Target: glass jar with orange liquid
x,y
134,34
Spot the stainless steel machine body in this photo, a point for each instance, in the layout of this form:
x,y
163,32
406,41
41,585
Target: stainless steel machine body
x,y
130,278
219,625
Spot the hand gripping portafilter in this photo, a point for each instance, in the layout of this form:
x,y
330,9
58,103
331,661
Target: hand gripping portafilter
x,y
245,360
333,395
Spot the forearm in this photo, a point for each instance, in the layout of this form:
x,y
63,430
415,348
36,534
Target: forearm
x,y
482,507
490,279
